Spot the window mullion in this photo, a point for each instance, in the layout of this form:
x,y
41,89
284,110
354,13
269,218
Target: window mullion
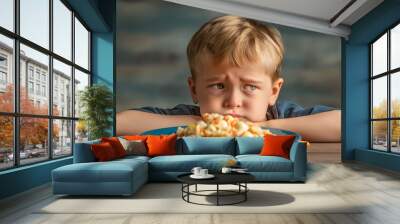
x,y
389,94
16,84
73,83
371,137
50,79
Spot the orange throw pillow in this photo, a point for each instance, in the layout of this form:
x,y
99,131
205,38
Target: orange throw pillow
x,y
277,145
103,151
116,145
135,137
159,145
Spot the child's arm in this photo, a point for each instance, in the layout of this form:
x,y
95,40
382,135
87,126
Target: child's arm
x,y
320,127
131,122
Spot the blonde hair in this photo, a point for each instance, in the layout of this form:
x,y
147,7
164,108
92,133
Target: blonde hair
x,y
237,41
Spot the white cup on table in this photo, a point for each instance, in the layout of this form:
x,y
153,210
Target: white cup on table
x,y
203,172
196,170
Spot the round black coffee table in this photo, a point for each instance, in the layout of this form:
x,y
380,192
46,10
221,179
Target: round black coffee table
x,y
238,179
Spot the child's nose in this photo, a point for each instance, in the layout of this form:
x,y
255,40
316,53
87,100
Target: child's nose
x,y
233,99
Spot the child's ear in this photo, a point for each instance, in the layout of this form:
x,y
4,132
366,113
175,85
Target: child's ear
x,y
192,88
276,88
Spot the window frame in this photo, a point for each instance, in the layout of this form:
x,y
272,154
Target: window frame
x,y
16,115
388,74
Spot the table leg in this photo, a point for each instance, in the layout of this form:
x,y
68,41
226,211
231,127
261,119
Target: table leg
x,y
217,194
196,188
188,189
245,193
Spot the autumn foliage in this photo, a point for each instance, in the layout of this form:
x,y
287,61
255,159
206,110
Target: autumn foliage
x,y
33,131
380,127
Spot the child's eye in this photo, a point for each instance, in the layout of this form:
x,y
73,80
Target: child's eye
x,y
217,85
250,87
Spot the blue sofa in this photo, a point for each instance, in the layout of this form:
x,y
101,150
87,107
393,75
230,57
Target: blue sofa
x,y
126,175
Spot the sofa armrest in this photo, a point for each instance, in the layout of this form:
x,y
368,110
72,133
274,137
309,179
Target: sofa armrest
x,y
83,152
298,155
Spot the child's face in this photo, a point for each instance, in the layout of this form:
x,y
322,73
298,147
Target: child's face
x,y
244,92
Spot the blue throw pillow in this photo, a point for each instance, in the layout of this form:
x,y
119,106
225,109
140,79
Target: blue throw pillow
x,y
249,145
207,145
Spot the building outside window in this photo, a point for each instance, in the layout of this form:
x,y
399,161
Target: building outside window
x,y
3,61
37,74
30,72
3,77
3,72
38,89
44,77
30,87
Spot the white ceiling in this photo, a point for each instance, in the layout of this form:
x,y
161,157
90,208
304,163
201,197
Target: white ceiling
x,y
319,9
325,16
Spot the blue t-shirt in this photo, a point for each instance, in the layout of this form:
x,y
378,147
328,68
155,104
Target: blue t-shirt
x,y
282,109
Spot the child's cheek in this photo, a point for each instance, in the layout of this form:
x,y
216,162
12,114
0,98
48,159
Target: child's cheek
x,y
211,105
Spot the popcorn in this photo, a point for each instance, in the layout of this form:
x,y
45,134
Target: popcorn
x,y
217,125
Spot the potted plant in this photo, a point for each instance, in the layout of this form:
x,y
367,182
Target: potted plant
x,y
96,102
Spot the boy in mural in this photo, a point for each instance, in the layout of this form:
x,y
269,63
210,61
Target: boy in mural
x,y
235,66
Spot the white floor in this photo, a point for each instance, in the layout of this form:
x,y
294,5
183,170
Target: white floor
x,y
377,188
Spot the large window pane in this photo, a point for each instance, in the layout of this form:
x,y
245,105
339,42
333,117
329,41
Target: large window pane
x,y
62,138
379,55
6,74
81,81
395,94
34,21
395,136
81,131
7,14
62,29
81,45
379,135
6,142
379,97
33,140
34,96
62,89
395,47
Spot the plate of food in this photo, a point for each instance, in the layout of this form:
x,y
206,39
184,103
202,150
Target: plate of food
x,y
218,125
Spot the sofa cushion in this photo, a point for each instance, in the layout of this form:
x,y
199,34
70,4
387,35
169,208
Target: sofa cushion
x,y
83,152
135,137
134,147
111,171
277,145
207,145
103,151
185,163
160,145
257,163
116,145
133,158
249,145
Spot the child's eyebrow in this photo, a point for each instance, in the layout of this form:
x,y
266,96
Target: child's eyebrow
x,y
213,79
253,81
